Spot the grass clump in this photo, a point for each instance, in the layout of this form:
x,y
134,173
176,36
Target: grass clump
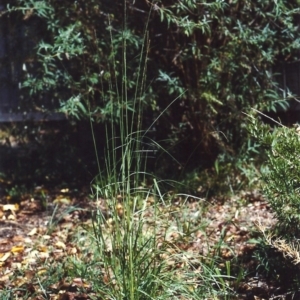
x,y
139,251
139,246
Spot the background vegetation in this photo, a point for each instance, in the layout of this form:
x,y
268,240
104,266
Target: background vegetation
x,y
217,59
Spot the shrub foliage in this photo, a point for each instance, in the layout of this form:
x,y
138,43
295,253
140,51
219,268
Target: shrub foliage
x,y
282,174
217,57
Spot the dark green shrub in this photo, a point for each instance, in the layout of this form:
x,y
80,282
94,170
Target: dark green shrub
x,y
278,251
281,178
217,57
222,54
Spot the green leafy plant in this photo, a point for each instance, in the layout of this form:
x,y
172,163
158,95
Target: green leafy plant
x,y
201,48
209,51
278,251
281,177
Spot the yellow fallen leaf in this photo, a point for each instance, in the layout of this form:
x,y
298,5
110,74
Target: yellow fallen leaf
x,y
42,271
17,249
62,200
5,256
19,281
42,248
64,190
12,207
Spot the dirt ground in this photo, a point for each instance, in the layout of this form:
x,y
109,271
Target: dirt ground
x,y
40,227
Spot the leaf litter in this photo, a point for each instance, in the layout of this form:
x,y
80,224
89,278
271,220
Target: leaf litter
x,y
36,238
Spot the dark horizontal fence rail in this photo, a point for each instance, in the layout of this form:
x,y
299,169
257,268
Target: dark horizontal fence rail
x,y
32,116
